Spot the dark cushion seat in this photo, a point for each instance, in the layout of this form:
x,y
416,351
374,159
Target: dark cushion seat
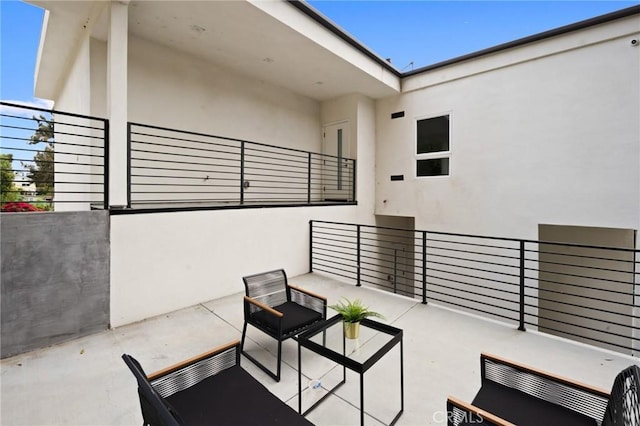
x,y
514,393
233,397
295,317
523,409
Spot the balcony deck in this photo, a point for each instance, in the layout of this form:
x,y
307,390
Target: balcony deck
x,y
84,382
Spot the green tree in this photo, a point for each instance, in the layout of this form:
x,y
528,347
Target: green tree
x,y
42,172
8,192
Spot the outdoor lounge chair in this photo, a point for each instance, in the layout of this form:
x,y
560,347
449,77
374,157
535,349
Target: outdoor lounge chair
x,y
279,310
209,389
513,393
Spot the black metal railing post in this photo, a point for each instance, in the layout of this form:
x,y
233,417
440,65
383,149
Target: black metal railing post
x,y
353,190
395,270
358,283
310,246
309,178
128,165
424,267
242,172
522,282
105,165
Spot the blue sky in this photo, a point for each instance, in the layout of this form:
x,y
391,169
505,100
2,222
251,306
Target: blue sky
x,y
427,32
19,38
418,32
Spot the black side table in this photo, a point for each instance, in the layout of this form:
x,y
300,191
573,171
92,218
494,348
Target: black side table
x,y
327,340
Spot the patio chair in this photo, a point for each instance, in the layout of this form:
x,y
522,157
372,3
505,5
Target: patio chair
x,y
623,408
279,310
513,393
209,389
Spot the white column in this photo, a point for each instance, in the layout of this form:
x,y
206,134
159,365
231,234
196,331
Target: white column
x,y
117,45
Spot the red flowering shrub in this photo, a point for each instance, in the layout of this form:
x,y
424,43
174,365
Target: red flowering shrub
x,y
20,207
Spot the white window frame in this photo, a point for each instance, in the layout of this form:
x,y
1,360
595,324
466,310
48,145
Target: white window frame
x,y
432,155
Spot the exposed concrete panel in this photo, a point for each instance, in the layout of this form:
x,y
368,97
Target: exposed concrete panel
x,y
54,278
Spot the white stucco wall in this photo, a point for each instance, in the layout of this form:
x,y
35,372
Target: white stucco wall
x,y
172,89
541,134
74,97
76,91
98,67
545,133
166,261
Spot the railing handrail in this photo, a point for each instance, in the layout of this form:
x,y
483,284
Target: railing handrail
x,y
487,237
243,171
227,138
52,111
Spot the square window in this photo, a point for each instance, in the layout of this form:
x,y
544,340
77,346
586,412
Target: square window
x,y
433,135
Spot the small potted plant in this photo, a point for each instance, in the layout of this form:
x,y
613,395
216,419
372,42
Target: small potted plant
x,y
352,313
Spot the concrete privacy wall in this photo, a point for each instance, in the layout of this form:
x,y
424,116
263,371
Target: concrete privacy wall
x,y
54,278
175,260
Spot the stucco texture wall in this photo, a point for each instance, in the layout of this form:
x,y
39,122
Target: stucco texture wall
x,y
174,260
166,261
544,134
173,89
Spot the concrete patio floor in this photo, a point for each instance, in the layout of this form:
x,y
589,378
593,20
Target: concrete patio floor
x,y
85,382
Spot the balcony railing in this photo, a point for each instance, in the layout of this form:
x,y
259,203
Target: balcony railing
x,y
585,293
57,160
172,169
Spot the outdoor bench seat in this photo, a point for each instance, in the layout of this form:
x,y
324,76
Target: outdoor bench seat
x,y
513,393
209,389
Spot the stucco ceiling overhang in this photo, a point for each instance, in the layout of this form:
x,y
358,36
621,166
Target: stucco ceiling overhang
x,y
270,41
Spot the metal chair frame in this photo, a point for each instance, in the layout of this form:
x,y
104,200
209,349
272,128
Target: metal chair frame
x,y
266,290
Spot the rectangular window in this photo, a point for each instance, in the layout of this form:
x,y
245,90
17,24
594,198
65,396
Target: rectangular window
x,y
433,146
433,167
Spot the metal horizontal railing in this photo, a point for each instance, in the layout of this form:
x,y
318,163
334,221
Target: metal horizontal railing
x,y
174,168
53,160
585,293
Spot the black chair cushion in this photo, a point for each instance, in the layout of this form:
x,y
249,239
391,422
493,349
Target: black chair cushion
x,y
295,316
523,409
233,397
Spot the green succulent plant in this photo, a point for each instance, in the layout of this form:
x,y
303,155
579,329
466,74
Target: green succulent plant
x,y
354,311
